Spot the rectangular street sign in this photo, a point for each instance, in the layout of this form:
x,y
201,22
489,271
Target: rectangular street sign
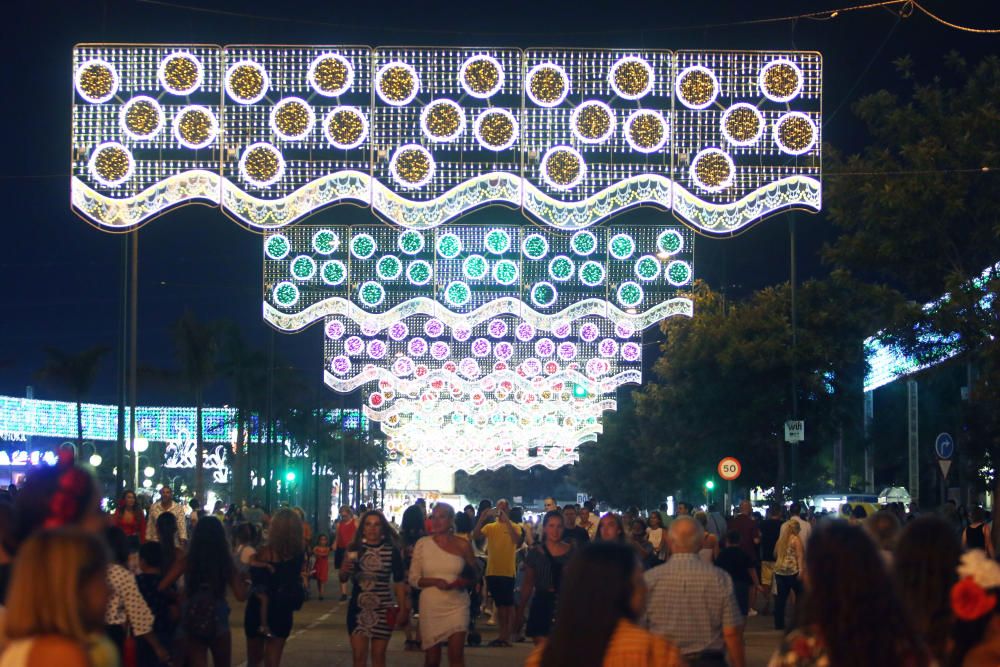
x,y
795,431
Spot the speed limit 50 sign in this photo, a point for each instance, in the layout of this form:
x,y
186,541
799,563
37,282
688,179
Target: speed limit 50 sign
x,y
729,468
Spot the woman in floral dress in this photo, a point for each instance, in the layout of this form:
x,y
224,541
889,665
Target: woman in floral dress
x,y
374,564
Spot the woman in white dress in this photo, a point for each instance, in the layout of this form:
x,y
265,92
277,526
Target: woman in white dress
x,y
443,568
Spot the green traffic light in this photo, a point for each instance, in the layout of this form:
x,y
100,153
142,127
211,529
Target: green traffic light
x,y
290,476
709,485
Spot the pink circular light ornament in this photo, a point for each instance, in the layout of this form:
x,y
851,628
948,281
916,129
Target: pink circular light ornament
x,y
589,332
503,351
334,329
461,333
631,351
624,331
608,347
403,366
531,367
562,330
525,332
567,351
440,350
497,328
433,328
398,331
376,349
341,365
417,347
481,347
544,347
354,346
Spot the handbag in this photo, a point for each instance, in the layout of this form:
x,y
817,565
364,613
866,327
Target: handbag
x,y
392,615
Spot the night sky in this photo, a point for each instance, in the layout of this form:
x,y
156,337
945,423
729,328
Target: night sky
x,y
61,278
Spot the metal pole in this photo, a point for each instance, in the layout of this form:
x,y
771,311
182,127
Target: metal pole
x,y
912,413
795,337
133,339
119,460
268,472
869,449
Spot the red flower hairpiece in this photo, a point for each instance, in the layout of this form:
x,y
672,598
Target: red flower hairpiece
x,y
970,601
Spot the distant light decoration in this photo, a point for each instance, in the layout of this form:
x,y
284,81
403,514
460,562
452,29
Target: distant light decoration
x,y
277,246
111,164
621,246
544,347
434,328
363,246
397,83
195,127
341,364
412,166
646,131
461,333
629,294
419,272
440,350
333,272
398,331
345,127
563,167
180,73
497,328
543,294
335,329
330,75
589,332
535,246
417,347
742,124
561,268
712,170
780,80
449,246
481,347
371,294
647,268
247,82
442,120
608,347
562,330
325,242
505,272
567,351
475,267
631,78
481,76
547,85
141,118
591,274
795,133
631,352
624,331
524,332
292,119
495,129
303,267
376,349
583,243
457,294
410,242
354,346
388,267
678,273
696,87
286,294
592,122
262,165
670,242
497,241
97,80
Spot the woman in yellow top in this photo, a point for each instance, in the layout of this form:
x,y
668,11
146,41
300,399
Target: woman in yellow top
x,y
603,595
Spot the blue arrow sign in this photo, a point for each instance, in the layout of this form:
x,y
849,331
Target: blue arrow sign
x,y
944,446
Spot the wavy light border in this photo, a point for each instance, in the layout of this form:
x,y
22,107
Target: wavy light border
x,y
405,386
187,187
409,406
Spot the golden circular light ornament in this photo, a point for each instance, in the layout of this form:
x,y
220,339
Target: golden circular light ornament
x,y
141,118
292,119
412,166
697,87
397,83
563,167
442,120
712,170
742,124
795,133
195,127
330,75
592,122
261,165
631,78
481,76
780,80
345,127
111,164
96,80
180,73
646,131
247,82
547,84
495,129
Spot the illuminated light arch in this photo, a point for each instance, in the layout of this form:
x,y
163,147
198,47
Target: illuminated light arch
x,y
163,76
247,68
148,103
203,121
324,61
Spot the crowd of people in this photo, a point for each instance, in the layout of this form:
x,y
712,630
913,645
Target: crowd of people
x,y
153,588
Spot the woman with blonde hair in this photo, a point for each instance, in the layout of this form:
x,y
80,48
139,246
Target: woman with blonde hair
x,y
56,602
788,556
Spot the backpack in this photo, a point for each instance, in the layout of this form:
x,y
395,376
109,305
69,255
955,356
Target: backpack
x,y
199,620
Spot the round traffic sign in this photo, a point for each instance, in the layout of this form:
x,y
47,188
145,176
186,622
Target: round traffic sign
x,y
729,468
944,446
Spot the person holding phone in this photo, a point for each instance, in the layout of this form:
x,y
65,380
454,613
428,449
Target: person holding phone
x,y
503,537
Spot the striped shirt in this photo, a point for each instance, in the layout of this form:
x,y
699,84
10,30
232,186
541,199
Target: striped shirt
x,y
690,602
630,646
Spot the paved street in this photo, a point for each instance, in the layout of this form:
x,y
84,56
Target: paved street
x,y
319,638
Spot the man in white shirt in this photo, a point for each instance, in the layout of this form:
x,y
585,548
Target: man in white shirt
x,y
166,504
794,511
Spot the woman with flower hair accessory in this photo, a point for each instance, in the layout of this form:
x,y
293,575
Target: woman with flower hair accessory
x,y
976,631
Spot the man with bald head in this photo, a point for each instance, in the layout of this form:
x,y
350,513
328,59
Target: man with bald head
x,y
691,602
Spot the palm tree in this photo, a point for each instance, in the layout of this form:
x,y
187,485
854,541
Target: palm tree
x,y
74,372
195,345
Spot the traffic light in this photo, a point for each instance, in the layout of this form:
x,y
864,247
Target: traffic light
x,y
290,476
709,485
579,391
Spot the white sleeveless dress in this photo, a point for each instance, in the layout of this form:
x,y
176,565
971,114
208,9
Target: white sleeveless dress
x,y
442,613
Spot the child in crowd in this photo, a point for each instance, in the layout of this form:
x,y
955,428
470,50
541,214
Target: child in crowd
x,y
321,570
259,577
159,602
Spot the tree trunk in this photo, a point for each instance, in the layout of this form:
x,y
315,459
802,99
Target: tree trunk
x,y
199,455
779,483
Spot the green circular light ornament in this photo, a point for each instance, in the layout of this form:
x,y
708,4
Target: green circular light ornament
x,y
457,294
497,241
678,273
303,267
647,268
449,246
630,294
475,267
371,294
561,268
277,246
286,294
670,242
584,243
622,246
388,267
505,272
411,242
333,272
535,246
363,246
325,242
419,272
591,274
544,294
